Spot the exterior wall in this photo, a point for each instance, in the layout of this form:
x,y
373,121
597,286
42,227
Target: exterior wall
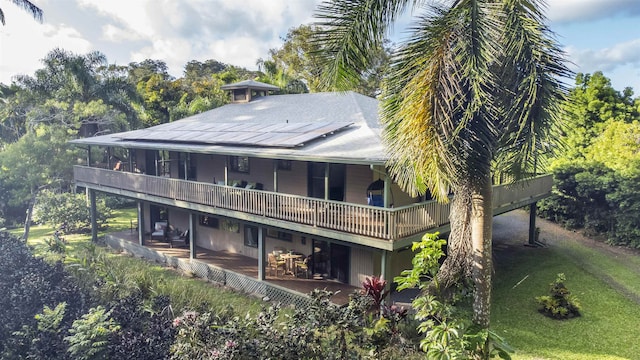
x,y
362,265
260,171
358,179
294,181
400,261
179,219
400,198
209,167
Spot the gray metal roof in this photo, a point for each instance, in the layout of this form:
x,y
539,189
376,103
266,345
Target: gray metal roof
x,y
358,143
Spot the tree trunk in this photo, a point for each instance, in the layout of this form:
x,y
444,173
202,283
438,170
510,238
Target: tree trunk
x,y
27,220
481,226
458,264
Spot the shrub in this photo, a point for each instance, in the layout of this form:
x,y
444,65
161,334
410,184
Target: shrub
x,y
70,210
146,332
560,304
30,286
89,334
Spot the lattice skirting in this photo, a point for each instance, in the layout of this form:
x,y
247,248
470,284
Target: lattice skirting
x,y
243,283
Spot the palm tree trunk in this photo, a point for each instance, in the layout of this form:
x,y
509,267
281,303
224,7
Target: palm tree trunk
x,y
481,226
458,263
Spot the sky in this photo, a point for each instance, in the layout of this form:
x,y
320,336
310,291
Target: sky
x,y
597,35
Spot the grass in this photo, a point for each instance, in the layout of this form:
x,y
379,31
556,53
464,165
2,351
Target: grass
x,y
186,292
609,327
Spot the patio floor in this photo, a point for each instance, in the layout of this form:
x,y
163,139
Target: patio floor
x,y
246,266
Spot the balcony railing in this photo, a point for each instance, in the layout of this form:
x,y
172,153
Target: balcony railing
x,y
376,222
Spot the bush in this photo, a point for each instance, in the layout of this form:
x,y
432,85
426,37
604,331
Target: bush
x,y
592,196
29,286
560,304
117,202
70,210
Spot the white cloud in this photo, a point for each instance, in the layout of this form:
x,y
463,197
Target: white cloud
x,y
565,11
606,59
24,42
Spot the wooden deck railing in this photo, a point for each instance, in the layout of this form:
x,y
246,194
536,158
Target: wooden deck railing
x,y
376,222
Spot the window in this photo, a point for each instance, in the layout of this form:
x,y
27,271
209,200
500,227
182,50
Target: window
x,y
239,164
284,165
251,236
209,221
230,226
280,235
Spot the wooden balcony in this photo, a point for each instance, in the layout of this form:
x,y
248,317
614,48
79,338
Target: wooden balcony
x,y
368,221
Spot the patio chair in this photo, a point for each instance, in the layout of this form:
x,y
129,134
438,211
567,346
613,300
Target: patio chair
x,y
180,239
159,231
302,267
275,264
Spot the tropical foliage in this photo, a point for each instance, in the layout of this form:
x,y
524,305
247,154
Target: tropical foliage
x,y
597,172
473,91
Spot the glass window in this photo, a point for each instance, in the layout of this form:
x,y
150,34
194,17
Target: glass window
x,y
284,165
209,221
251,236
239,164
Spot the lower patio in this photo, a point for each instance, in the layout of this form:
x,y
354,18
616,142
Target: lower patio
x,y
230,269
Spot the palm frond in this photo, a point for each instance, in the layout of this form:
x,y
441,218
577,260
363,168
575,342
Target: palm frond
x,y
349,29
28,6
533,89
437,108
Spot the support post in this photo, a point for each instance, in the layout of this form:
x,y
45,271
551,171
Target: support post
x,y
261,255
532,224
275,175
141,226
192,236
385,268
387,191
94,215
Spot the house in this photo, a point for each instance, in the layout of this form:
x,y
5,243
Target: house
x,y
302,172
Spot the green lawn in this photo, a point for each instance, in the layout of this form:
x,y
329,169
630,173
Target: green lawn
x,y
609,327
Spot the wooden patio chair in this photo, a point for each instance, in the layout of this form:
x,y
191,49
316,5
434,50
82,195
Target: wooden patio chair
x,y
179,240
302,267
275,264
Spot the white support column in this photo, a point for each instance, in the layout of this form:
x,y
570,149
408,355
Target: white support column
x,y
326,181
226,170
192,236
141,225
275,175
261,255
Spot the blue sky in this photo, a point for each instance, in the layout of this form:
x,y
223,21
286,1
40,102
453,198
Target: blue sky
x,y
596,34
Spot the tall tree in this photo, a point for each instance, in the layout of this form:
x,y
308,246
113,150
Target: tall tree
x,y
300,59
473,89
39,160
80,92
28,6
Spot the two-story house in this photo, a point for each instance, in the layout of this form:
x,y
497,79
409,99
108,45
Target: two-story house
x,y
301,172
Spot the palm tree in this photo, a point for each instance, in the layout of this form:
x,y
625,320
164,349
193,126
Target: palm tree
x,y
471,92
28,6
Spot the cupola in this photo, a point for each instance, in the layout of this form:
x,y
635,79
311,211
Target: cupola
x,y
244,91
